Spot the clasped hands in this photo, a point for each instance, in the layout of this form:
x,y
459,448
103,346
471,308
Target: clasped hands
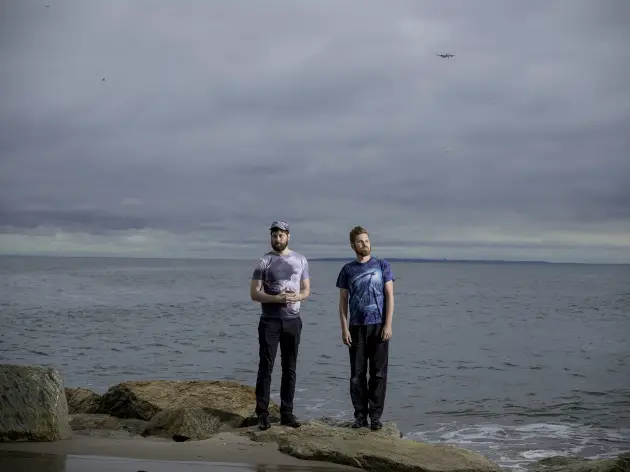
x,y
288,297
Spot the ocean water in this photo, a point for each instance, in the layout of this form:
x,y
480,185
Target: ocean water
x,y
514,361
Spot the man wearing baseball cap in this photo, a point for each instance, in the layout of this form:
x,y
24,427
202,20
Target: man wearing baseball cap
x,y
279,283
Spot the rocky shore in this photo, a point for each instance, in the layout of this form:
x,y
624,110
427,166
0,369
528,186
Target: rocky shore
x,y
196,419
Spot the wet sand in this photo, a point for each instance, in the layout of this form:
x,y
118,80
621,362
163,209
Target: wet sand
x,y
34,462
223,453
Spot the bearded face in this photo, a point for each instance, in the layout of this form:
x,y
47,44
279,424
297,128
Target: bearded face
x,y
279,240
361,245
364,251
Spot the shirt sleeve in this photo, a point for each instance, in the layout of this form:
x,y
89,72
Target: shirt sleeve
x,y
342,279
386,269
305,271
259,270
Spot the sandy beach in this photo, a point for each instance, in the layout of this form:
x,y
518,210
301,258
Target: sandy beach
x,y
228,451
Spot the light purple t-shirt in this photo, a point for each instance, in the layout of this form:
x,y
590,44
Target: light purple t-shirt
x,y
278,274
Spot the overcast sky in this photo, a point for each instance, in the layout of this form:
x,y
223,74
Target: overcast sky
x,y
182,129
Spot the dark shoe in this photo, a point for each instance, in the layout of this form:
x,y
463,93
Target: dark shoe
x,y
360,422
291,421
263,422
376,424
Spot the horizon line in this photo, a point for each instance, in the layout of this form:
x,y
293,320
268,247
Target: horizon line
x,y
321,259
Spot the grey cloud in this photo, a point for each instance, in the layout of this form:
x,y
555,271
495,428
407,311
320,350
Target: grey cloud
x,y
71,220
216,118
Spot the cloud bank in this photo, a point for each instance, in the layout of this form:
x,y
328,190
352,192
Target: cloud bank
x,y
160,130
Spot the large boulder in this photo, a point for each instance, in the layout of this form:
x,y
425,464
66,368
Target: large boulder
x,y
33,406
580,464
227,402
82,400
376,451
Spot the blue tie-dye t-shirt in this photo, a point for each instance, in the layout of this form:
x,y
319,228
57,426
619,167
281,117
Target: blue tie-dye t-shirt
x,y
365,282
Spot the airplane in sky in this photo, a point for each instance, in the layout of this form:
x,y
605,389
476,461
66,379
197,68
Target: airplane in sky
x,y
445,56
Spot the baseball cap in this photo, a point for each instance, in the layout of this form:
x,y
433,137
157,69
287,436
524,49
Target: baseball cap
x,y
279,224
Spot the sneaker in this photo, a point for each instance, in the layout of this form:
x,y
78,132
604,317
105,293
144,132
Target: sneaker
x,y
263,422
290,420
376,424
360,422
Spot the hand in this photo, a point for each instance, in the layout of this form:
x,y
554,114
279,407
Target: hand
x,y
386,334
346,338
292,297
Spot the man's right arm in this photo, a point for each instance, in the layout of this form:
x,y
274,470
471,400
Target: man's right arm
x,y
343,316
256,289
257,294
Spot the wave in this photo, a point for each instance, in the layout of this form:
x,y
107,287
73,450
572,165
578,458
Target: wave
x,y
514,447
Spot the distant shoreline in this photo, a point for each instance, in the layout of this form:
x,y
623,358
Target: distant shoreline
x,y
459,261
314,259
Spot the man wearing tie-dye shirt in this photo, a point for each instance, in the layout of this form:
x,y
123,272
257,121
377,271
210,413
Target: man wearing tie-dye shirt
x,y
366,308
280,283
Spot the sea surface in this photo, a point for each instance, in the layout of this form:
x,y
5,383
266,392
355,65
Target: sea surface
x,y
514,361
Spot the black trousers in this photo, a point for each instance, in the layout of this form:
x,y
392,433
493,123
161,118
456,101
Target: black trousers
x,y
286,333
368,350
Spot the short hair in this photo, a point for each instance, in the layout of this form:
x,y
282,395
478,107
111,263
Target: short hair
x,y
357,230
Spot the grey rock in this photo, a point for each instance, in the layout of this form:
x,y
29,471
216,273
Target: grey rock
x,y
145,399
33,404
86,423
82,400
578,464
370,450
194,423
389,427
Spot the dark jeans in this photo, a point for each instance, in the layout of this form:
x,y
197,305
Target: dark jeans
x,y
367,348
272,332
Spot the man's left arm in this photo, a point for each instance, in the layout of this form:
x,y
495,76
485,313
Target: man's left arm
x,y
305,286
305,289
389,310
388,290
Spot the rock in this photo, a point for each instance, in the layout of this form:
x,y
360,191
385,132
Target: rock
x,y
82,400
90,423
196,423
34,406
376,451
578,464
389,427
233,402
